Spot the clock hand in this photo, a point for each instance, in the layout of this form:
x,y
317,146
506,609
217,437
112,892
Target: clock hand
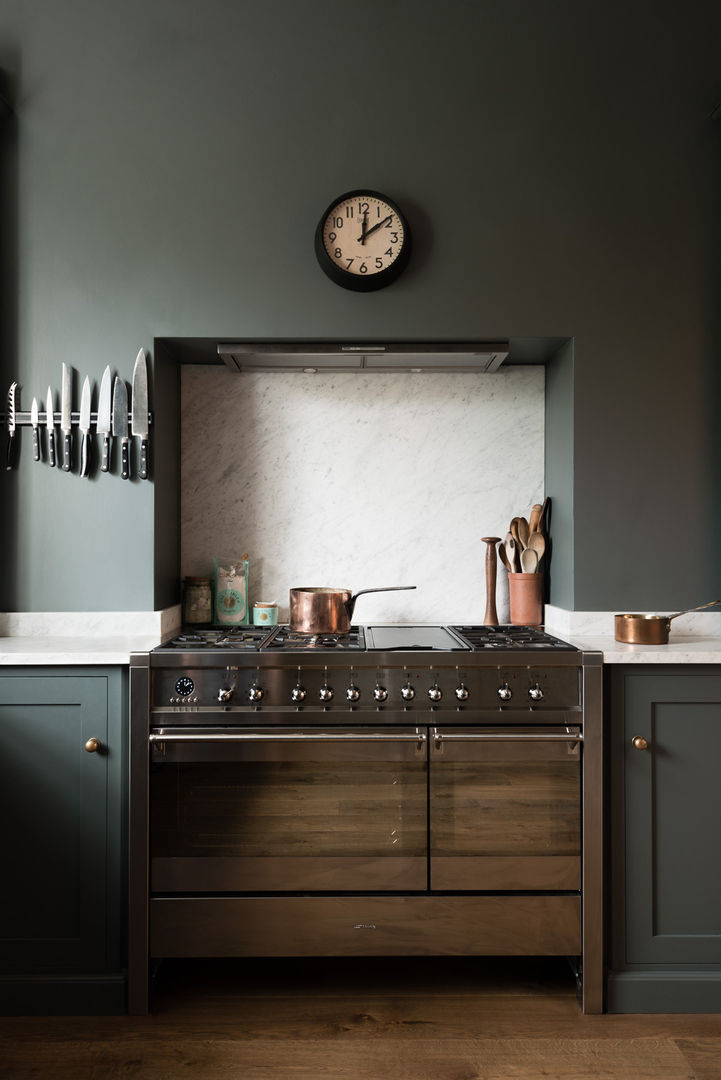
x,y
364,230
378,226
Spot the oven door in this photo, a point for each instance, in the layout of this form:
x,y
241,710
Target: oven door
x,y
505,808
288,810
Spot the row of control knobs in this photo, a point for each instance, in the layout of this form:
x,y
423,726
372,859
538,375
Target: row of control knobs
x,y
326,694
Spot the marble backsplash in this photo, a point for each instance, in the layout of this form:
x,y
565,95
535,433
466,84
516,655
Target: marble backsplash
x,y
359,480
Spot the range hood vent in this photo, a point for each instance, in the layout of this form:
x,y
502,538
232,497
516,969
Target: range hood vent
x,y
322,356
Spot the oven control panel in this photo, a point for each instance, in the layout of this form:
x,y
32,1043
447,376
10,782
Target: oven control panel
x,y
368,687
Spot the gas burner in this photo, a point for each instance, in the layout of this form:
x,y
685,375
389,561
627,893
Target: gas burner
x,y
285,638
246,638
510,637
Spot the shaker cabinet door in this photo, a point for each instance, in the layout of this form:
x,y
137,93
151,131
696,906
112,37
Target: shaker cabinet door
x,y
672,801
60,822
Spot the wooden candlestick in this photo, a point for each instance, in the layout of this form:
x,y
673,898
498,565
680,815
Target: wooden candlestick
x,y
491,616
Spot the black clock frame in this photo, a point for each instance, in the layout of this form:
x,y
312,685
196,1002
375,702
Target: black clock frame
x,y
356,282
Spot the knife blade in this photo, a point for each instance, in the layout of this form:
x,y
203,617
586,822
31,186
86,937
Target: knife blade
x,y
50,423
120,423
35,420
66,424
103,422
11,460
85,428
140,411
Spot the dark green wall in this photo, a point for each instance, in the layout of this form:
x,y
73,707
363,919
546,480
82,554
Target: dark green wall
x,y
169,161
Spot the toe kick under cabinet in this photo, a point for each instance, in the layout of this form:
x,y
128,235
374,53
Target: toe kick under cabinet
x,y
665,851
63,747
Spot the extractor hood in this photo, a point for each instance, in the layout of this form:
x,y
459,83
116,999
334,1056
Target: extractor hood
x,y
324,356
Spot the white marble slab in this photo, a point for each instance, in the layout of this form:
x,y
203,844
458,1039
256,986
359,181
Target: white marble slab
x,y
68,650
89,624
694,638
359,480
559,621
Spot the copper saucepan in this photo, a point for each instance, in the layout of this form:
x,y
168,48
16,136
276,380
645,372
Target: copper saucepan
x,y
650,629
327,611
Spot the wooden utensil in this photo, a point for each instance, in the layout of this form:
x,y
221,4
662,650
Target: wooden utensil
x,y
534,516
523,531
513,528
529,561
503,557
512,553
491,616
537,543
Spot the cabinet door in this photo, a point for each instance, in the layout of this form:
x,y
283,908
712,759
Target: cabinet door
x,y
54,815
673,819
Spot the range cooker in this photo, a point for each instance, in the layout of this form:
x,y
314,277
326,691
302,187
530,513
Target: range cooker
x,y
395,791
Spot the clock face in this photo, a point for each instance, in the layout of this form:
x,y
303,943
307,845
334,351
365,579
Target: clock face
x,y
363,241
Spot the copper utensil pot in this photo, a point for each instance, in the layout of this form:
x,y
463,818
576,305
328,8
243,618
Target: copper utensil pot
x,y
327,611
650,629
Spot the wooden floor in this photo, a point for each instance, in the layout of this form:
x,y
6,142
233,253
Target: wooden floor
x,y
363,1020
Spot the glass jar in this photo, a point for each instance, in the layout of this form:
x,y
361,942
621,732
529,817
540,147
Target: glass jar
x,y
197,601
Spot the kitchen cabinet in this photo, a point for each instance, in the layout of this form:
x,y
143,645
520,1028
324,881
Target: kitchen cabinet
x,y
665,825
62,803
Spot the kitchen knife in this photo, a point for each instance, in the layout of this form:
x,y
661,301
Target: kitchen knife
x,y
140,411
103,424
35,421
66,423
50,423
85,428
11,461
120,423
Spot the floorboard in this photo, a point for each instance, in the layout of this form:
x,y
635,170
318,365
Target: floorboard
x,y
460,1019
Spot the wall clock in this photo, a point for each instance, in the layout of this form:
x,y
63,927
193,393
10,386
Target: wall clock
x,y
363,241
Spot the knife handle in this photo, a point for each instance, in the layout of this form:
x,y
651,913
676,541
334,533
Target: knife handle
x,y
67,450
143,466
85,455
12,451
124,462
36,444
105,463
51,447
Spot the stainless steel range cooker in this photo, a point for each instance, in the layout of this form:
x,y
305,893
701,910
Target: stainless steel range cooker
x,y
395,791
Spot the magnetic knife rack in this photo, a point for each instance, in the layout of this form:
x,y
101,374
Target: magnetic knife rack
x,y
22,418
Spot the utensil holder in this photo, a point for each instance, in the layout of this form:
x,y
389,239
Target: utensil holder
x,y
525,597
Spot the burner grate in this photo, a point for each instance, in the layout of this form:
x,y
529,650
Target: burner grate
x,y
511,637
285,638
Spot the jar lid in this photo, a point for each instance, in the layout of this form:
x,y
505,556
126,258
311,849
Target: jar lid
x,y
197,580
265,603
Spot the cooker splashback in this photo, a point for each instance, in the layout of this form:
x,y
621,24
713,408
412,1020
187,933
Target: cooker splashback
x,y
359,480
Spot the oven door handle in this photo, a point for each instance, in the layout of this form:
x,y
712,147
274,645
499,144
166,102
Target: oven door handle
x,y
508,736
419,736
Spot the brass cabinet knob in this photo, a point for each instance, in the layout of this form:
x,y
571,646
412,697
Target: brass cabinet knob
x,y
93,746
639,743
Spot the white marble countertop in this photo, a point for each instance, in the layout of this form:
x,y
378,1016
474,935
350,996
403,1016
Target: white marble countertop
x,y
679,650
51,651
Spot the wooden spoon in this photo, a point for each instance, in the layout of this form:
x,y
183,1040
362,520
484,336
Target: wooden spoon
x,y
523,531
534,516
513,527
542,517
511,553
537,543
529,561
502,556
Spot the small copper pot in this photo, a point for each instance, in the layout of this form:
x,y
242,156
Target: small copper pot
x,y
316,610
650,629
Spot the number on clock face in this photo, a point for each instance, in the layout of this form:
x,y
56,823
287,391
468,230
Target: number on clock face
x,y
363,235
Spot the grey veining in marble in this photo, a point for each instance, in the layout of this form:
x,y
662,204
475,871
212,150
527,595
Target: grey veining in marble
x,y
360,480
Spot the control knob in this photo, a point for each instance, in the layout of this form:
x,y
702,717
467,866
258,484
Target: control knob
x,y
298,693
504,692
435,693
225,694
535,693
407,692
462,692
256,692
326,693
352,693
380,693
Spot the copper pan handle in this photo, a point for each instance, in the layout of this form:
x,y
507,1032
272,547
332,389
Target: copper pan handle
x,y
388,588
711,603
